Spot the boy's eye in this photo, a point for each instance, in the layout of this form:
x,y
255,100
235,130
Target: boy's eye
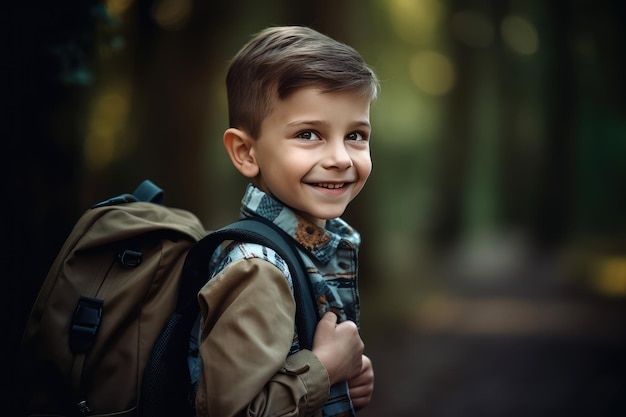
x,y
308,135
358,136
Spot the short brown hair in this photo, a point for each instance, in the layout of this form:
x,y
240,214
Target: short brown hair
x,y
281,60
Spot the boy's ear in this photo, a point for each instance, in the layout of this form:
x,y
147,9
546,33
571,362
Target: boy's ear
x,y
239,146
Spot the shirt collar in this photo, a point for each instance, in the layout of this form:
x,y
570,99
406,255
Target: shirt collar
x,y
322,243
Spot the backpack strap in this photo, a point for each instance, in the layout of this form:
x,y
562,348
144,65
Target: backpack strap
x,y
149,191
263,232
146,191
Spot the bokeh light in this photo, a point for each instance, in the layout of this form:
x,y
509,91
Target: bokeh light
x,y
520,35
432,72
108,119
172,14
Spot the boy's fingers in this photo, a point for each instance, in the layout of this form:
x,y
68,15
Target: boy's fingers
x,y
330,317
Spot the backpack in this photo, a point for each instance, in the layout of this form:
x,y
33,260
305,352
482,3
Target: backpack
x,y
108,333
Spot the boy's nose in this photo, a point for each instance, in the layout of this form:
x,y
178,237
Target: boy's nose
x,y
338,156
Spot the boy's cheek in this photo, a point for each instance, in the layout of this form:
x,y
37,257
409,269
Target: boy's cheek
x,y
367,168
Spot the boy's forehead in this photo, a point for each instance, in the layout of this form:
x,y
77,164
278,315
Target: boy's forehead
x,y
315,91
311,103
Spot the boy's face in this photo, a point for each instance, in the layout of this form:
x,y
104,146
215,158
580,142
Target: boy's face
x,y
313,152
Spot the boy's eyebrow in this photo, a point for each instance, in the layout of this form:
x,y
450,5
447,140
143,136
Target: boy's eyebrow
x,y
358,123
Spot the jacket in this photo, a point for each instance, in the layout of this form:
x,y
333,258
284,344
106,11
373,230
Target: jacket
x,y
251,361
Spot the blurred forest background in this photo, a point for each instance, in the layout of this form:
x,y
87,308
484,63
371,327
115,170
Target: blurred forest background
x,y
493,266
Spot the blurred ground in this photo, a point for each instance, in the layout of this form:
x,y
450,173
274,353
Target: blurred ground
x,y
532,347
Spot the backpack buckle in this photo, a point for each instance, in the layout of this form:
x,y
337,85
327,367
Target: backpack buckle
x,y
83,408
85,324
130,258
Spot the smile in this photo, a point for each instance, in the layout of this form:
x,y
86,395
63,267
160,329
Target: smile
x,y
330,186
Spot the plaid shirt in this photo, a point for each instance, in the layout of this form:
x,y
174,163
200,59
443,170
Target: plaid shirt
x,y
330,254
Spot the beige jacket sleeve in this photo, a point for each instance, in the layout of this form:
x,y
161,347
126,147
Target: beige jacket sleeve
x,y
248,315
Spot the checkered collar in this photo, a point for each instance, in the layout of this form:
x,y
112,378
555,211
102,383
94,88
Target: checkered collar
x,y
322,243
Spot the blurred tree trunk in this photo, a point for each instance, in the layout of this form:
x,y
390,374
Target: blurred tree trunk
x,y
556,169
467,200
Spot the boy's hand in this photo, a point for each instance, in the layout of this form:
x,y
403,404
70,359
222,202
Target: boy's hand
x,y
339,348
362,386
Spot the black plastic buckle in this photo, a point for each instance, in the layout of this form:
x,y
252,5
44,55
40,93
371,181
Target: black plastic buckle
x,y
83,408
130,258
85,324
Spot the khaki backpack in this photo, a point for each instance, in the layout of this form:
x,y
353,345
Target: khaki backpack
x,y
111,288
108,334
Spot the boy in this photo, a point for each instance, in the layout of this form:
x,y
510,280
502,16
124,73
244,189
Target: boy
x,y
299,130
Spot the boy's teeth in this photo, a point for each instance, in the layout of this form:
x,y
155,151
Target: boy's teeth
x,y
330,185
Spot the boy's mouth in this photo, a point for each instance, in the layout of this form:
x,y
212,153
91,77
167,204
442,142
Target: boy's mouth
x,y
331,186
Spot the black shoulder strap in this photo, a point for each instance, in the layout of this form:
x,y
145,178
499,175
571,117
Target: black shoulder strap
x,y
258,230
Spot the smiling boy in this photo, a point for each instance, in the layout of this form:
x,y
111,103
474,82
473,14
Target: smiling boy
x,y
299,107
312,153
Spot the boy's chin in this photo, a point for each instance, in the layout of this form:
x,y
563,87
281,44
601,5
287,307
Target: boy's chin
x,y
321,218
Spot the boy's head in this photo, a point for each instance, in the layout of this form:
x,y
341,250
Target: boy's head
x,y
300,128
281,60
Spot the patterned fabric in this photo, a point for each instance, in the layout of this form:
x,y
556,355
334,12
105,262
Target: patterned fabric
x,y
330,254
